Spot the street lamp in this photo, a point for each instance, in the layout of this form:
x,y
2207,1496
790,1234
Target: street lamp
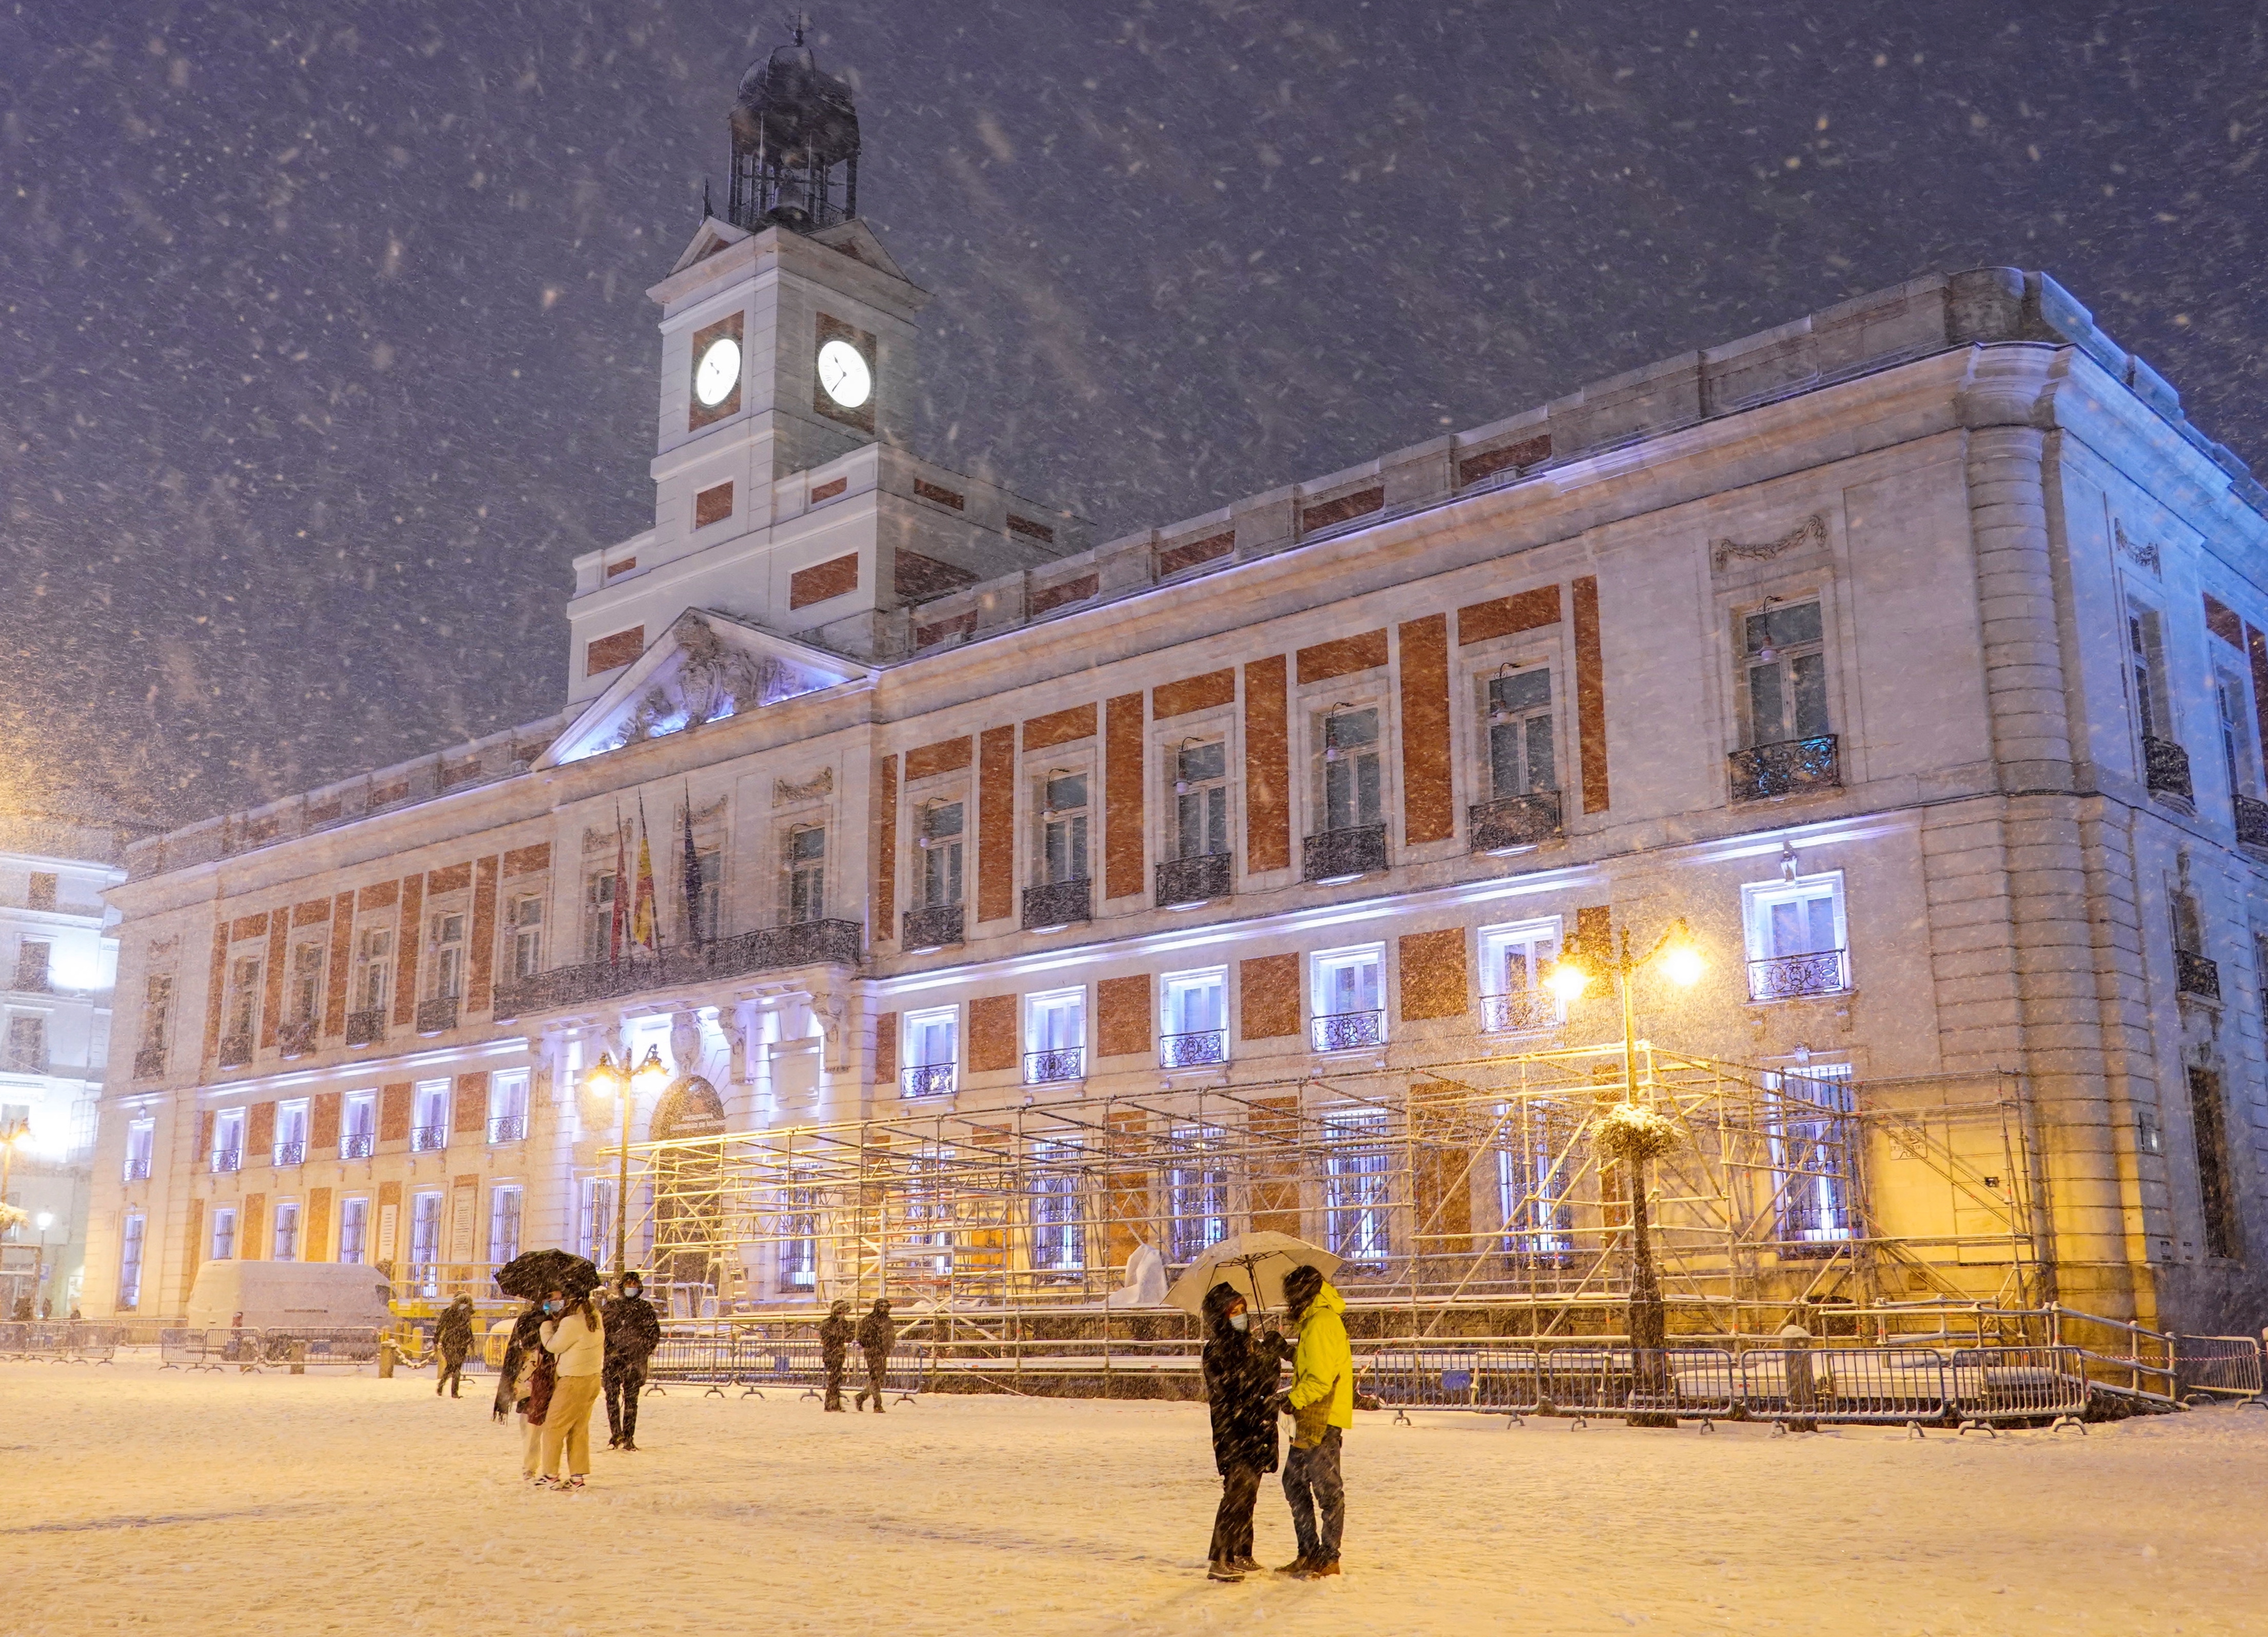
x,y
608,1081
1636,1132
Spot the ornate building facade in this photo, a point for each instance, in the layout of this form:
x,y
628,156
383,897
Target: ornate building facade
x,y
1910,655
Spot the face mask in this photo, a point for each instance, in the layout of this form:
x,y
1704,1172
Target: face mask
x,y
1239,1321
553,1306
632,1291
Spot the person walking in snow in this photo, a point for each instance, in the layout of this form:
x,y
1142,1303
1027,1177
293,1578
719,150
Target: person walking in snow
x,y
1321,1402
877,1335
575,1338
525,1384
633,1332
834,1333
1240,1380
454,1340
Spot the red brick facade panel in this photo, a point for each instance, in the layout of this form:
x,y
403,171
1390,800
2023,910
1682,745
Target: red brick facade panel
x,y
341,964
1429,811
311,913
1059,727
837,577
272,1000
612,653
886,850
1188,553
528,860
1123,786
394,1112
992,1034
948,756
713,505
913,575
468,1103
1343,656
378,896
1122,1017
479,988
408,941
323,1122
1324,513
456,878
1050,598
315,1227
1503,617
1267,766
1434,983
996,825
886,1049
1590,696
1193,693
1510,457
1270,990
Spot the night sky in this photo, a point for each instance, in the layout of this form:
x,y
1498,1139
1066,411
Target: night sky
x,y
324,344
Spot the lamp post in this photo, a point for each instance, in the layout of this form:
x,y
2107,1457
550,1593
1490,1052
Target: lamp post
x,y
628,1085
1636,1132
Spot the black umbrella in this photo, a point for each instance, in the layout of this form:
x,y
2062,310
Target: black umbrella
x,y
537,1272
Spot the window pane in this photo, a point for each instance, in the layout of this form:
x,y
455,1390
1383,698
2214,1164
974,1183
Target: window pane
x,y
1540,772
1068,791
1204,761
1810,672
1366,790
1767,716
1504,773
1525,691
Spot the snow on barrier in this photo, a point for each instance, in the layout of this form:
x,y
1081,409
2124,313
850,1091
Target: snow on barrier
x,y
1885,1384
2217,1367
1990,1385
323,1344
63,1342
209,1347
752,1362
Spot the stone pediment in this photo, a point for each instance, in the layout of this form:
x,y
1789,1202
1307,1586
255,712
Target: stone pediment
x,y
710,237
857,241
705,667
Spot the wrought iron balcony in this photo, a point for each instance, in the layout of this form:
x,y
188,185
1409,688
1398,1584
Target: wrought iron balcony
x,y
2196,975
437,1016
1790,977
1523,1011
227,1159
290,1153
429,1139
933,928
1763,771
137,1169
927,1080
150,1061
771,948
366,1028
1183,881
1198,1048
235,1050
1347,1031
34,980
1514,821
1344,854
357,1146
295,1039
1058,1063
1052,905
2166,767
508,1128
2251,823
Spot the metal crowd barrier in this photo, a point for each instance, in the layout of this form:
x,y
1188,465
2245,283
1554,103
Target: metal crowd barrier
x,y
209,1347
1897,1385
1990,1385
325,1344
754,1362
59,1341
2218,1367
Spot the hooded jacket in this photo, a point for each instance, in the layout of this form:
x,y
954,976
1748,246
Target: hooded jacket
x,y
877,1333
454,1335
633,1330
1240,1380
1323,1369
834,1333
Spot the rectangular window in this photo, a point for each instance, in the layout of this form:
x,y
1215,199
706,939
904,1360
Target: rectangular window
x,y
33,956
354,1230
157,1014
929,1203
508,1106
709,894
446,936
1196,1021
244,997
798,1260
504,1224
2240,744
2216,1184
307,1004
2146,670
1785,670
228,1140
1520,733
129,1261
1201,800
1514,961
141,1149
1058,1233
1355,1186
359,1129
1348,1011
1197,1193
1054,1037
525,922
595,1221
931,1047
291,1132
1814,1133
429,1129
1797,936
806,874
599,917
224,1234
940,842
1533,1163
44,883
1062,827
374,969
287,1230
27,1043
1354,796
425,1242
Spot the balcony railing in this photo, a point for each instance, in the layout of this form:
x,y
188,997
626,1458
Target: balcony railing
x,y
235,1050
1790,977
137,1169
2251,823
927,1080
437,1016
290,1153
1347,1031
1763,771
1198,1048
2196,975
1053,905
429,1139
935,927
366,1028
1344,854
2166,767
1512,822
295,1039
1523,1011
508,1128
227,1159
150,1061
25,1062
357,1146
34,980
811,943
1184,881
1059,1063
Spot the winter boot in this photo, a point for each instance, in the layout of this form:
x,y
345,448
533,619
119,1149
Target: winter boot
x,y
1319,1571
1223,1569
1297,1566
1248,1564
630,1446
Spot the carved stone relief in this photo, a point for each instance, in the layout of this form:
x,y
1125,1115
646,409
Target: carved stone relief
x,y
1810,532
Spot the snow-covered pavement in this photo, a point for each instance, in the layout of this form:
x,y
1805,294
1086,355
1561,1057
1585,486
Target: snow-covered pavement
x,y
133,1500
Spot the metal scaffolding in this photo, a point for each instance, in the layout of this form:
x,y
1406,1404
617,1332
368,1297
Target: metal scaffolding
x,y
1465,1196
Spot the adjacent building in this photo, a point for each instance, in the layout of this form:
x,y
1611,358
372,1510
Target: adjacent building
x,y
1913,656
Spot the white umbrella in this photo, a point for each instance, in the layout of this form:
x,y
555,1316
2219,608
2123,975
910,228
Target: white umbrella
x,y
1256,1264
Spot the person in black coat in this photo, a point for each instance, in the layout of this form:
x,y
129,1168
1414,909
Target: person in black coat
x,y
1241,1370
834,1333
454,1340
877,1335
633,1332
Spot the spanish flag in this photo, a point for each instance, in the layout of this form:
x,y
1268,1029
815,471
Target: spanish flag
x,y
643,929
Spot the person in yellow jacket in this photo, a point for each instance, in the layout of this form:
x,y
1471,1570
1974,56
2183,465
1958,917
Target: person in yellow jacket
x,y
1321,1402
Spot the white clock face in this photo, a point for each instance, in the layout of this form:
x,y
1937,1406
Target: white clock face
x,y
717,372
844,374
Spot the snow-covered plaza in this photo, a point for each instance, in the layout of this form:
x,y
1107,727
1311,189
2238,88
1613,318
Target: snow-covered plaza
x,y
132,1500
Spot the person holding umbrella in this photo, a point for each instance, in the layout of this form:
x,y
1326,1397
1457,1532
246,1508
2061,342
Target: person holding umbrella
x,y
575,1338
1240,1380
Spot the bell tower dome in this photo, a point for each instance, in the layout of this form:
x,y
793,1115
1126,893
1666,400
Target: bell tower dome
x,y
795,145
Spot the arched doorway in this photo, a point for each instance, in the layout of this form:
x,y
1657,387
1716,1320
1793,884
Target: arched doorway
x,y
688,1212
